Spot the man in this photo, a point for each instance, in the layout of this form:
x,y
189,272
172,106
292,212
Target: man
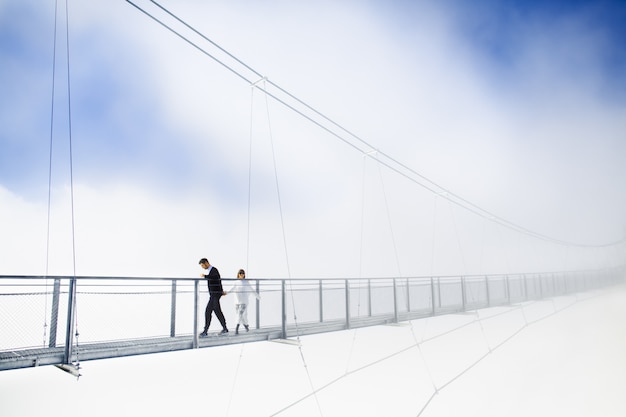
x,y
214,282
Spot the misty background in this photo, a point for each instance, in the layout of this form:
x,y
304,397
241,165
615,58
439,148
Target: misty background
x,y
515,107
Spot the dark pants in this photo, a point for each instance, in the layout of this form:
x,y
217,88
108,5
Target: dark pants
x,y
214,306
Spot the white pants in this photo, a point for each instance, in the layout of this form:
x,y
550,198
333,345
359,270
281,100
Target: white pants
x,y
242,314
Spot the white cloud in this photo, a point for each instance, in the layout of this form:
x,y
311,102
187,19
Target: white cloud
x,y
162,143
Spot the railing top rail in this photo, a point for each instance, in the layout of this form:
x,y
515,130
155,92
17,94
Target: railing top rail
x,y
302,279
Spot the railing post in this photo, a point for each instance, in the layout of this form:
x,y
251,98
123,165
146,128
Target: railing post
x,y
196,303
321,299
258,305
54,314
432,295
369,297
487,291
283,310
507,286
395,302
525,287
173,310
463,300
408,296
71,315
347,304
439,292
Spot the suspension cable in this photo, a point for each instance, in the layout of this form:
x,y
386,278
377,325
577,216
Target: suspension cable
x,y
437,336
388,212
249,180
282,223
434,237
74,316
280,205
358,307
362,146
54,57
232,390
71,156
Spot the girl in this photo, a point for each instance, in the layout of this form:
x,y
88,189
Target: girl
x,y
242,290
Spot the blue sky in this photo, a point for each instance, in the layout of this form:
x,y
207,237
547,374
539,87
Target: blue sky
x,y
516,106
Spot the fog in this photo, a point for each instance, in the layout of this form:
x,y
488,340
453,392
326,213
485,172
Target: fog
x,y
528,126
543,358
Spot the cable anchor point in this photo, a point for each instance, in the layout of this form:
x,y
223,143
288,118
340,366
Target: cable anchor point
x,y
254,84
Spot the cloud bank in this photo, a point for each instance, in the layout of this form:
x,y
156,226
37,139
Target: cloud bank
x,y
518,110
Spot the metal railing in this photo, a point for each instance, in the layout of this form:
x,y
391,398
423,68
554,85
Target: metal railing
x,y
50,320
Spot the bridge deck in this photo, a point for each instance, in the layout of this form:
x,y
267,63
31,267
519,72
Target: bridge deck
x,y
103,350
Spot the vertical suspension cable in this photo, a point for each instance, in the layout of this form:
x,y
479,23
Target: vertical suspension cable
x,y
482,248
506,257
465,283
74,325
232,390
69,117
393,239
432,252
280,205
282,223
249,178
54,57
362,217
458,238
358,308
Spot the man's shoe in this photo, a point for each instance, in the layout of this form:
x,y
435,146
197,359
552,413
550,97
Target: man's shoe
x,y
204,334
224,331
247,328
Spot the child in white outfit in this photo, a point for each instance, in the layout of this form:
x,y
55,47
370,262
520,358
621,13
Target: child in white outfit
x,y
242,290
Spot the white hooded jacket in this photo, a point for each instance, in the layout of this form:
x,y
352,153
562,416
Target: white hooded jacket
x,y
242,290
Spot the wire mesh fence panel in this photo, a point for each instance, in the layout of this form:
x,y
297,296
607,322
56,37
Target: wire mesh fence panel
x,y
302,301
122,310
497,290
359,298
270,305
533,286
401,296
476,295
25,308
450,294
420,295
183,324
334,300
516,288
23,320
382,297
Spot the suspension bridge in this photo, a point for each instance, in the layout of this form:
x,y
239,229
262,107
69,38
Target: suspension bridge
x,y
65,320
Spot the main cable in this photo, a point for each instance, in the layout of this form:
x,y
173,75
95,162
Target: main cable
x,y
391,162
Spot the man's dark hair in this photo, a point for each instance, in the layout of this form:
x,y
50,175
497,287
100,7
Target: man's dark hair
x,y
203,261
